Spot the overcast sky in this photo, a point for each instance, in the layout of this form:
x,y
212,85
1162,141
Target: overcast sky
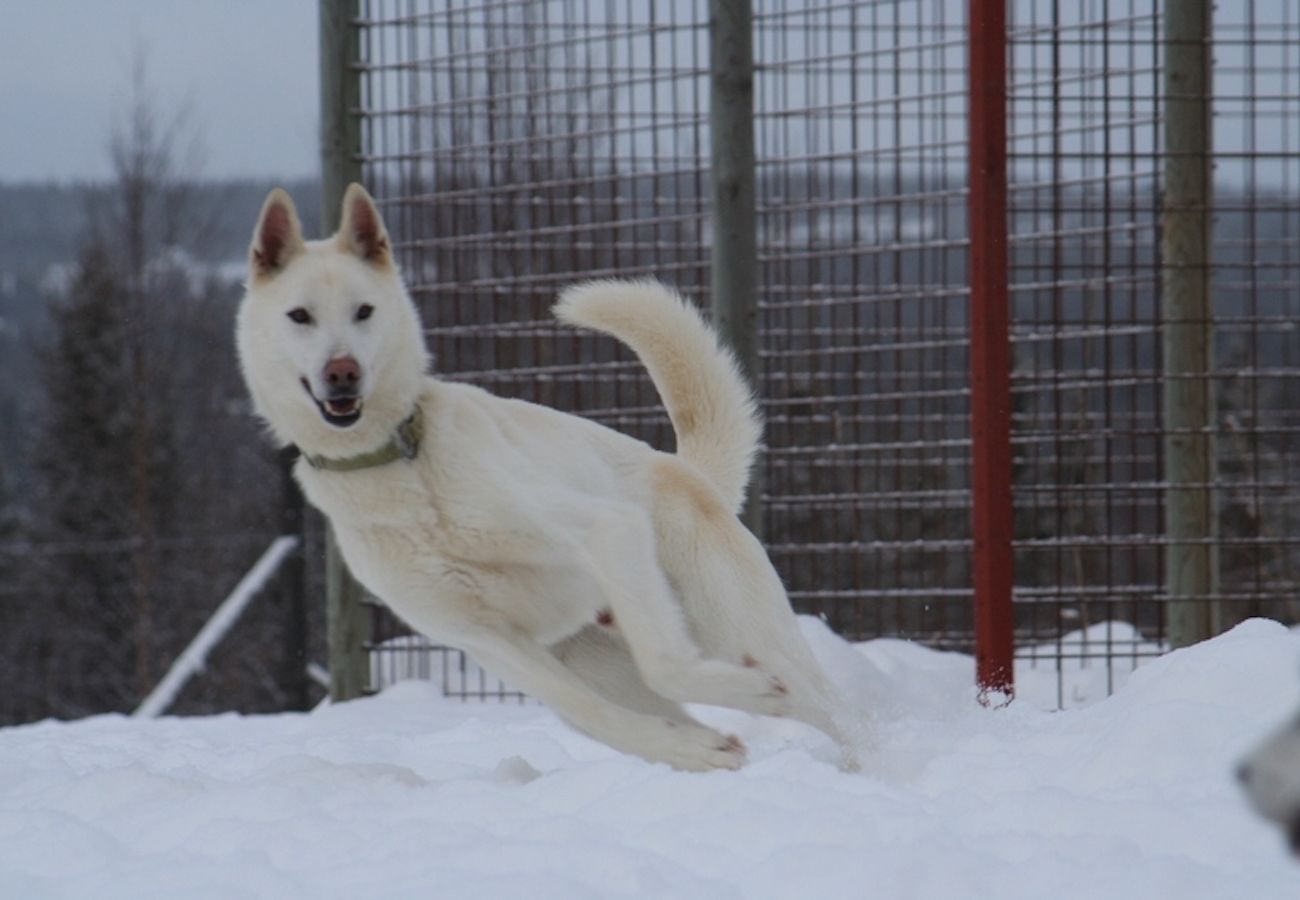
x,y
248,69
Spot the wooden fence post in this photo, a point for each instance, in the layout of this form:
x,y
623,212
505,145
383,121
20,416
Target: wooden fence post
x,y
734,263
1187,327
347,620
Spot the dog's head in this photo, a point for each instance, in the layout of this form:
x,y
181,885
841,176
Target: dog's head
x,y
1270,775
329,342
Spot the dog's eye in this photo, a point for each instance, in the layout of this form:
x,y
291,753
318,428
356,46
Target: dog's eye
x,y
364,312
300,315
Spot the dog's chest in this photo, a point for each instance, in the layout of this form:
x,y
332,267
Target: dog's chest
x,y
386,524
390,496
402,548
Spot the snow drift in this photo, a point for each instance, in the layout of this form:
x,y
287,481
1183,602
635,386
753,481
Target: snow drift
x,y
408,794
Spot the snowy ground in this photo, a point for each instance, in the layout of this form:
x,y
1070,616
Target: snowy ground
x,y
408,795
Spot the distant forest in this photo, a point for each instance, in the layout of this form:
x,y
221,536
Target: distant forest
x,y
41,232
135,488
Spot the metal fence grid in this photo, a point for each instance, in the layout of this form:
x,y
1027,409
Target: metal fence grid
x,y
1084,155
1086,158
1256,287
860,139
519,146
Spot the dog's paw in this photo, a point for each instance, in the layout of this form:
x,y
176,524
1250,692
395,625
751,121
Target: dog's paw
x,y
694,748
850,762
748,687
769,695
776,687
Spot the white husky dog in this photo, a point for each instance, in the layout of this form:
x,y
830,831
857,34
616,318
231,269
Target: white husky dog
x,y
1270,775
609,580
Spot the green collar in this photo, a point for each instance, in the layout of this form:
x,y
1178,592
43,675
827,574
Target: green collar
x,y
404,444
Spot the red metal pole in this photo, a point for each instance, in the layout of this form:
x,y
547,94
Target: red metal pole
x,y
990,349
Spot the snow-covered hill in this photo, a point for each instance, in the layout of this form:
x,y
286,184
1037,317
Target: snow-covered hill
x,y
410,795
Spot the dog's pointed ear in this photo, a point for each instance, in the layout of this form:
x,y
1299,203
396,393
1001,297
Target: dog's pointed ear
x,y
278,236
361,228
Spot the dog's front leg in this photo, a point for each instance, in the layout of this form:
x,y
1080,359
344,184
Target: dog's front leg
x,y
602,659
532,668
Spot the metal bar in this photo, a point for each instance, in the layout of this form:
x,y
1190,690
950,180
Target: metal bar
x,y
346,618
734,266
1191,559
217,627
990,350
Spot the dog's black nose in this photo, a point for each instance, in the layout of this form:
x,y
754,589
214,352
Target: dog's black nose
x,y
1243,773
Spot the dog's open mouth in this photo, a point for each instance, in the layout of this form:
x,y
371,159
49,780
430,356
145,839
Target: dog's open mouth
x,y
341,410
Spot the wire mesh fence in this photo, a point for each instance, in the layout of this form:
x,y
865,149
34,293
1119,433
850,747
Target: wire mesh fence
x,y
1085,156
519,146
1088,158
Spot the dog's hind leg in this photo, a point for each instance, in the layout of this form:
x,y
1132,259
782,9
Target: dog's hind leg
x,y
735,605
619,554
534,669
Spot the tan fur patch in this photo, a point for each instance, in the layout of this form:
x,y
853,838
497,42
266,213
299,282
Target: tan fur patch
x,y
260,274
672,477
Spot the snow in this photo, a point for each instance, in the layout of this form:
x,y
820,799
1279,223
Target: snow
x,y
408,794
1090,665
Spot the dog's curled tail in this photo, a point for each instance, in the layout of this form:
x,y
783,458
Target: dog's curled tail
x,y
712,409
